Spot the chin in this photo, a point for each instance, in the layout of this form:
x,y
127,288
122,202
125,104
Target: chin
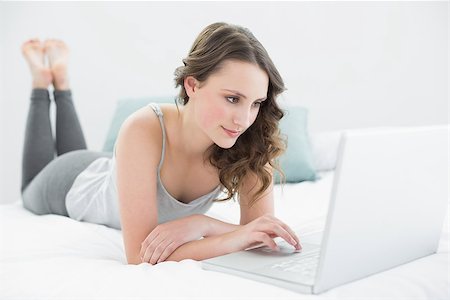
x,y
226,144
223,141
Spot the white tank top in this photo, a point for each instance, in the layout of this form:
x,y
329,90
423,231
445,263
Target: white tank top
x,y
93,195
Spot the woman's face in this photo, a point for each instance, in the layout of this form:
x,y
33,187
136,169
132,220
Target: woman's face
x,y
228,102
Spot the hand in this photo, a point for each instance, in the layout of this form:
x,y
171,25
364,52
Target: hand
x,y
167,237
262,231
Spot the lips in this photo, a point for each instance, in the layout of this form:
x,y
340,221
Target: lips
x,y
232,133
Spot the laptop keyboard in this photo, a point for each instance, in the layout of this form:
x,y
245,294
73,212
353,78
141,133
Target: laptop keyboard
x,y
299,268
305,265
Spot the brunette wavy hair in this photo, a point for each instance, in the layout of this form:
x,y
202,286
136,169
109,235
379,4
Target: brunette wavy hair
x,y
261,143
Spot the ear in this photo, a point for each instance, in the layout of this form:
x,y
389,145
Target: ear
x,y
190,85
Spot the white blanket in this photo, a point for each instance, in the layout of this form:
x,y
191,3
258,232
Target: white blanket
x,y
54,257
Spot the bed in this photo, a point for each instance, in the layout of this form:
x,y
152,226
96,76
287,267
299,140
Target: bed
x,y
55,257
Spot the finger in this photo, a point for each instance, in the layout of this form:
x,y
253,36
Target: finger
x,y
158,251
297,245
148,240
295,240
263,237
255,245
153,234
151,248
142,250
146,255
279,231
167,252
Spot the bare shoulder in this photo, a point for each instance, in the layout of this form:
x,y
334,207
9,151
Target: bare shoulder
x,y
142,129
144,120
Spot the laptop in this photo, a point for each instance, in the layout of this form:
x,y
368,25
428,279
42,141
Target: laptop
x,y
388,202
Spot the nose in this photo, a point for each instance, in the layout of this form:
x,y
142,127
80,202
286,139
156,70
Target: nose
x,y
242,118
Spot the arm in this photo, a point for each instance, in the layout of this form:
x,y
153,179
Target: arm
x,y
179,239
205,248
264,204
260,231
258,227
137,156
216,227
167,237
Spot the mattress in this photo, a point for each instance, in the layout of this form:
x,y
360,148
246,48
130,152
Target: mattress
x,y
55,257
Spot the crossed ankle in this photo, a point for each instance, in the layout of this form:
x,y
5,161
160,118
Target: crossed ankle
x,y
68,91
40,93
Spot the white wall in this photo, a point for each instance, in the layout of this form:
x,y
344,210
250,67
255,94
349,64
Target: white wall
x,y
354,64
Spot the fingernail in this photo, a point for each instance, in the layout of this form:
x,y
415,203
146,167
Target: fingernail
x,y
293,242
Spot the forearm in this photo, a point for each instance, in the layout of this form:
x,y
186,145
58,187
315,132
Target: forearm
x,y
217,227
205,248
183,235
260,231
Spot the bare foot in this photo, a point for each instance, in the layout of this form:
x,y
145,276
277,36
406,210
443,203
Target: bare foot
x,y
58,58
33,51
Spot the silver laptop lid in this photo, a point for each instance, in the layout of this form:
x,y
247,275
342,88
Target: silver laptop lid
x,y
389,201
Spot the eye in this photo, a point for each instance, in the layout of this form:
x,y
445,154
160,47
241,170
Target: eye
x,y
258,103
232,101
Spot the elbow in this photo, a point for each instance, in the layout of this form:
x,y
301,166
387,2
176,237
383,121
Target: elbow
x,y
134,260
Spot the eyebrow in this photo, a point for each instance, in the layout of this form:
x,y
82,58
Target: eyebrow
x,y
242,95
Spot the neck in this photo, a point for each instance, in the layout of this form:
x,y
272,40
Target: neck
x,y
192,141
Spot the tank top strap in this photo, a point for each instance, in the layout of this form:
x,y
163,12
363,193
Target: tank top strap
x,y
159,113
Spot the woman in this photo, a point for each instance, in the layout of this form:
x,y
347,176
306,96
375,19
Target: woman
x,y
170,162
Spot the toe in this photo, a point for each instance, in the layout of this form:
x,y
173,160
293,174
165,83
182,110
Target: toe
x,y
26,45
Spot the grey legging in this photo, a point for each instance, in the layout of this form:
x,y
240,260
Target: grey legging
x,y
46,179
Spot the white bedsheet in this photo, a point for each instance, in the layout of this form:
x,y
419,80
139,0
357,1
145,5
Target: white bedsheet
x,y
54,257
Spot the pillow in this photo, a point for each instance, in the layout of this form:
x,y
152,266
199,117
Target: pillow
x,y
124,108
297,162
